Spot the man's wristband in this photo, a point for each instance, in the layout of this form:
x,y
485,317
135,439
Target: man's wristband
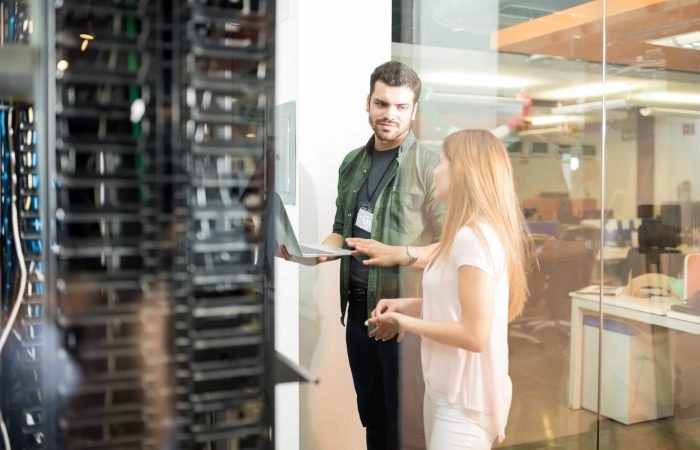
x,y
412,255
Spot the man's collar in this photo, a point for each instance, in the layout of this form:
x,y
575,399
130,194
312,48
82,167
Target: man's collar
x,y
407,143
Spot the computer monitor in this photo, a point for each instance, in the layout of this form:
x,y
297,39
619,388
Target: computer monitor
x,y
657,236
671,215
645,211
657,251
695,215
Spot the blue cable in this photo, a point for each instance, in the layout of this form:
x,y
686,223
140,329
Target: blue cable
x,y
11,21
8,252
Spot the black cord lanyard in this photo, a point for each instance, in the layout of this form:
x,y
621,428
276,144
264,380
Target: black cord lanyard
x,y
381,180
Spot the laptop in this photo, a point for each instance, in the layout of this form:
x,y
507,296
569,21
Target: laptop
x,y
285,236
691,285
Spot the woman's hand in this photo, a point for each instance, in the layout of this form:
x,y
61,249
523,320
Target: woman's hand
x,y
379,254
386,305
387,326
385,331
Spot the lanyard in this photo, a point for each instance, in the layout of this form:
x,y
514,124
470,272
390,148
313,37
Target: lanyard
x,y
381,179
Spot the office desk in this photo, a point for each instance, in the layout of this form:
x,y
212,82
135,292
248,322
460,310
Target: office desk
x,y
652,311
611,254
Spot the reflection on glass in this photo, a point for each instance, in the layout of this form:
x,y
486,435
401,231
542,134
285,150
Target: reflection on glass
x,y
16,25
652,166
476,61
645,210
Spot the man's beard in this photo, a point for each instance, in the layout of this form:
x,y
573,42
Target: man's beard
x,y
394,133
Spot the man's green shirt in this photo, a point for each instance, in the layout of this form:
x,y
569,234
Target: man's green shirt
x,y
406,213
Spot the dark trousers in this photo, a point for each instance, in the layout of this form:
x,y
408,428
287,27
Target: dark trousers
x,y
375,371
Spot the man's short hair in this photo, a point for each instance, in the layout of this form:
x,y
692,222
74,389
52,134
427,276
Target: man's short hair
x,y
394,73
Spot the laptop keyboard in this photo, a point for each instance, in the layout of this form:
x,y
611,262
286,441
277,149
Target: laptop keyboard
x,y
315,251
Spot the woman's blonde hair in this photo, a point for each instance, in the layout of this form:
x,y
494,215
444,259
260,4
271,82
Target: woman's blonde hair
x,y
482,191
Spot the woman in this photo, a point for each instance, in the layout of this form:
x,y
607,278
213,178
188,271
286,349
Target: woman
x,y
475,284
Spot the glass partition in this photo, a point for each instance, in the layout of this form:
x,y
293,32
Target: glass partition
x,y
520,70
607,154
649,390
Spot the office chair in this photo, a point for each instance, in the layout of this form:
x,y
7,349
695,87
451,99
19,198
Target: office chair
x,y
595,214
656,253
566,213
544,227
519,328
565,265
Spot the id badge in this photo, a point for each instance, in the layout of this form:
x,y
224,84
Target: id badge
x,y
364,219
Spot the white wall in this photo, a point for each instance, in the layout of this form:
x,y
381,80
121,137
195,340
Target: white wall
x,y
621,169
535,174
287,274
326,53
340,43
676,157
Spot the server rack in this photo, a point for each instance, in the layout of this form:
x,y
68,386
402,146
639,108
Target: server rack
x,y
226,105
147,314
102,253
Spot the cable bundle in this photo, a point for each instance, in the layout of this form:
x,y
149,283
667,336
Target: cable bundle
x,y
22,271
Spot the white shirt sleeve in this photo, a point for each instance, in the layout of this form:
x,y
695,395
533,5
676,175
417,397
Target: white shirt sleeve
x,y
468,250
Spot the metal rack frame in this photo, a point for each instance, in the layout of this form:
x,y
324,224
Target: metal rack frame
x,y
200,295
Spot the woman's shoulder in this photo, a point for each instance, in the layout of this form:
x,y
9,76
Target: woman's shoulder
x,y
474,231
469,237
481,236
489,233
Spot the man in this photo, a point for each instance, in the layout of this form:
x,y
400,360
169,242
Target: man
x,y
385,193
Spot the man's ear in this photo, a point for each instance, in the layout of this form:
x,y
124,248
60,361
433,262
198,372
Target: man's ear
x,y
415,110
367,105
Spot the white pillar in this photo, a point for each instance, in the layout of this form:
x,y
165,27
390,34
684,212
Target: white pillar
x,y
326,51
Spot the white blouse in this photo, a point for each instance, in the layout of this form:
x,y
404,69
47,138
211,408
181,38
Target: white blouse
x,y
478,382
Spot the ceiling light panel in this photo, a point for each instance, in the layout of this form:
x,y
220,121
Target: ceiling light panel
x,y
594,90
679,98
686,40
472,79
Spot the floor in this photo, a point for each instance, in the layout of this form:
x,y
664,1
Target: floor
x,y
540,418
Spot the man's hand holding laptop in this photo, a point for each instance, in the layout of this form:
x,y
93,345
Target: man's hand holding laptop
x,y
312,261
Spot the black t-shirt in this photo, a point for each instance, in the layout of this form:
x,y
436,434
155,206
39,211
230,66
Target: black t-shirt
x,y
376,181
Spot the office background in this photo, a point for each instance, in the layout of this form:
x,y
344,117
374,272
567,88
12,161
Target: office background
x,y
582,162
